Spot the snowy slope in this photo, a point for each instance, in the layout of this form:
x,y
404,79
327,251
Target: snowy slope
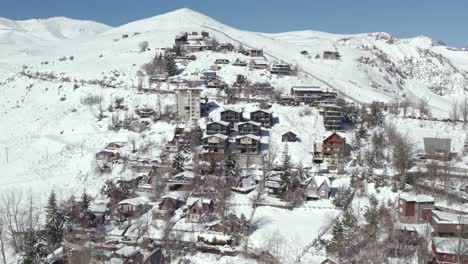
x,y
33,114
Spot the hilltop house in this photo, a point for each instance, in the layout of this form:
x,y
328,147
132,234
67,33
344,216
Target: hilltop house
x,y
334,146
264,117
281,69
448,224
217,143
197,208
414,209
317,187
247,144
249,127
239,62
289,137
215,83
226,46
217,127
331,55
231,116
255,52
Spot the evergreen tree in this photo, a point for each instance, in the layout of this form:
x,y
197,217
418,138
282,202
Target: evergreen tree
x,y
372,218
171,66
55,223
30,247
85,201
336,242
230,167
286,175
178,163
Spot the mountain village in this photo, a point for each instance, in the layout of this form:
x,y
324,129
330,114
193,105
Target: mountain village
x,y
216,163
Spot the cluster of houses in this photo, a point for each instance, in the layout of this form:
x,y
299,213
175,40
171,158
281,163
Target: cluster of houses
x,y
448,227
234,133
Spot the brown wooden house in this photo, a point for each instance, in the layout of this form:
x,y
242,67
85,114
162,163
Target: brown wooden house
x,y
231,116
249,127
247,144
415,209
217,127
264,117
217,143
334,146
197,208
289,137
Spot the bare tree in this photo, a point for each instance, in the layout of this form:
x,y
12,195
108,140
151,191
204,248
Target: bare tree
x,y
402,153
464,110
454,111
143,45
2,239
423,107
433,173
405,104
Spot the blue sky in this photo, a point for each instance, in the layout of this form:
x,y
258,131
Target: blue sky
x,y
441,20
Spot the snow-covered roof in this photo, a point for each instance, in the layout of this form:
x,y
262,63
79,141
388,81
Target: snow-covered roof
x,y
272,184
221,136
219,122
447,218
449,245
329,134
263,110
420,198
201,200
249,122
249,136
319,180
307,88
185,174
230,109
128,251
135,201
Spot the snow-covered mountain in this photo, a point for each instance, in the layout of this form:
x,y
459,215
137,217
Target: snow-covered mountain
x,y
50,138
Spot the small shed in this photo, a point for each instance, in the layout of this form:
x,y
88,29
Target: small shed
x,y
289,137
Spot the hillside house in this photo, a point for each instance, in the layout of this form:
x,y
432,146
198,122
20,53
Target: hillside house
x,y
317,187
264,117
182,181
280,69
181,38
205,34
231,116
437,148
331,116
289,137
414,209
168,205
221,61
263,88
115,146
198,208
215,83
240,80
239,62
255,52
259,64
334,146
132,206
450,249
273,184
197,45
331,55
225,46
312,94
217,127
217,143
188,103
104,158
145,112
156,80
247,144
448,224
248,127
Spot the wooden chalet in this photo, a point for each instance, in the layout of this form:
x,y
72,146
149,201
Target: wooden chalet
x,y
259,64
217,127
280,69
249,127
239,62
221,61
132,206
334,146
264,117
215,83
317,187
289,137
414,209
225,46
216,143
198,208
167,205
247,144
231,116
255,52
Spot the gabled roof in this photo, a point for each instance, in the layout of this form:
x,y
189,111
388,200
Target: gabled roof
x,y
233,110
198,200
262,110
218,122
289,132
420,198
257,138
341,135
220,136
134,201
249,122
307,88
318,180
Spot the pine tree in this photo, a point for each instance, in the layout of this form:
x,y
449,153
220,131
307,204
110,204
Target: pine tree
x,y
372,218
55,223
336,242
30,247
230,166
85,200
171,66
178,163
286,175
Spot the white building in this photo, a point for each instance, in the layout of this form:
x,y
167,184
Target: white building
x,y
188,103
